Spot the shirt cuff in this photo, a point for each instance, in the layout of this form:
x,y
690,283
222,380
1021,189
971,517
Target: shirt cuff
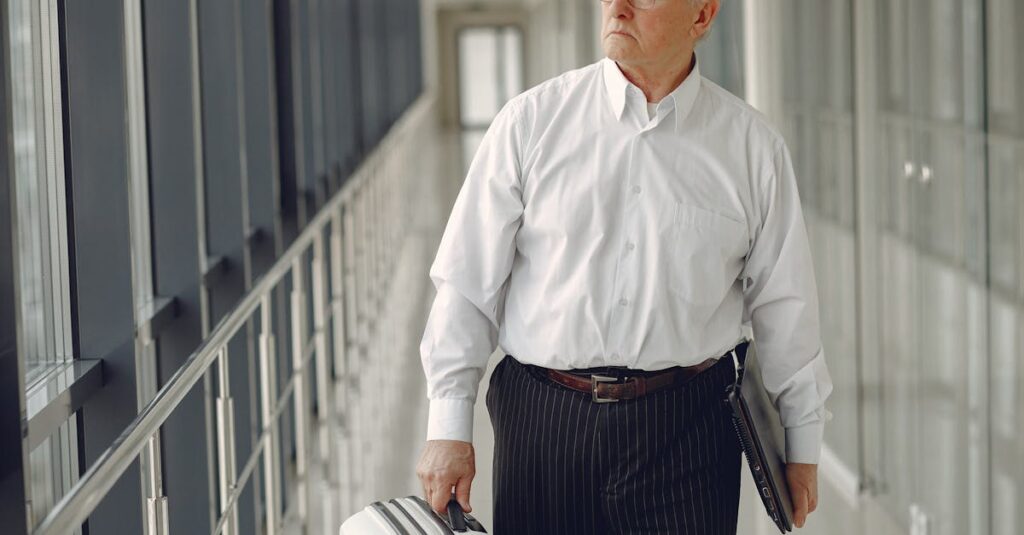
x,y
450,419
803,442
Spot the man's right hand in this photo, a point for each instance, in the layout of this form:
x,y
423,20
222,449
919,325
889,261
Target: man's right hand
x,y
445,464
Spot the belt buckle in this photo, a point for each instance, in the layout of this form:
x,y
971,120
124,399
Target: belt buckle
x,y
594,380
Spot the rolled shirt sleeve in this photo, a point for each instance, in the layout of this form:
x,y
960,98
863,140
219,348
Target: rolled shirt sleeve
x,y
470,273
781,301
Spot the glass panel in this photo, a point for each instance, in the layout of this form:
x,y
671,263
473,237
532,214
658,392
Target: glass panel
x,y
817,120
721,51
951,349
40,205
897,293
39,186
512,62
1006,257
478,82
490,71
53,466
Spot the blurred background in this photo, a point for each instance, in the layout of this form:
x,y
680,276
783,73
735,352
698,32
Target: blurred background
x,y
217,217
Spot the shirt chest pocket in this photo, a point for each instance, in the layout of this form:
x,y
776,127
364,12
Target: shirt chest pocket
x,y
705,252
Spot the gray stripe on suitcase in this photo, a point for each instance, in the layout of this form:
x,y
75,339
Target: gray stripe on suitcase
x,y
382,509
430,512
401,508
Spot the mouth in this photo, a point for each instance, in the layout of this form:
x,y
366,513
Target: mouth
x,y
619,33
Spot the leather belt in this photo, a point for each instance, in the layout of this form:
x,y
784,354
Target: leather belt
x,y
605,389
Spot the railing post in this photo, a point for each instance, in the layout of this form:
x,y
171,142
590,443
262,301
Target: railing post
x,y
374,269
325,384
226,442
338,400
361,246
391,218
300,394
373,237
357,298
155,513
268,402
156,502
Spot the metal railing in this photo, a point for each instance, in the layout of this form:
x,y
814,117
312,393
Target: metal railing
x,y
350,249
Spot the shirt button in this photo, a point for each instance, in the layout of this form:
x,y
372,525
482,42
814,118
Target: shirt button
x,y
636,189
623,301
630,246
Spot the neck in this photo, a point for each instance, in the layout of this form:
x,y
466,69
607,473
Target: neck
x,y
657,80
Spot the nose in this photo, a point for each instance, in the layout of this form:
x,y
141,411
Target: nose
x,y
619,9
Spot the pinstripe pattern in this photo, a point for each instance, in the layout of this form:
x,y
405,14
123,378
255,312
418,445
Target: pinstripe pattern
x,y
668,462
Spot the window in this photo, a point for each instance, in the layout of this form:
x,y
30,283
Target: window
x,y
490,72
41,242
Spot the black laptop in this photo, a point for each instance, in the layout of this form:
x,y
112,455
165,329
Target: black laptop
x,y
763,437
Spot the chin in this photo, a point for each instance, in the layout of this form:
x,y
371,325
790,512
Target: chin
x,y
616,53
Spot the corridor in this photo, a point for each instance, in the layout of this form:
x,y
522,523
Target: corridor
x,y
217,220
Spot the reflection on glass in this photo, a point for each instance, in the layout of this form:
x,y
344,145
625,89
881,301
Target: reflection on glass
x,y
1005,505
44,339
721,51
930,172
817,121
42,238
39,187
1005,153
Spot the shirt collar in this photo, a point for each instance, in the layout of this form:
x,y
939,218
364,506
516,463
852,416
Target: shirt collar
x,y
684,95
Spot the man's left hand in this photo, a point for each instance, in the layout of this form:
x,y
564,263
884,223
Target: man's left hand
x,y
803,490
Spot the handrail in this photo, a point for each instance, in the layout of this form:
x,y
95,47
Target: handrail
x,y
82,499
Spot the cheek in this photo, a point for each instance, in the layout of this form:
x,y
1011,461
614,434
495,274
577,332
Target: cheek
x,y
669,37
661,36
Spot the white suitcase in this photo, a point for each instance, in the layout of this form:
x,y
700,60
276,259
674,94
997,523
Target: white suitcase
x,y
411,515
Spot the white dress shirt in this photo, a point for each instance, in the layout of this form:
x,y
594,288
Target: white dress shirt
x,y
588,234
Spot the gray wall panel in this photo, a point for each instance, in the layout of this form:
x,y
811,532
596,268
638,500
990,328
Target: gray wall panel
x,y
97,182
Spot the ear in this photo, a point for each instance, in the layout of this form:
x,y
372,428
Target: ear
x,y
704,17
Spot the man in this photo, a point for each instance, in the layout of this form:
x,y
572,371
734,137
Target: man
x,y
618,224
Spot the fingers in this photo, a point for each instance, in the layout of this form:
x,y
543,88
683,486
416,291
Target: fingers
x,y
462,493
439,497
436,493
812,498
443,465
800,508
803,486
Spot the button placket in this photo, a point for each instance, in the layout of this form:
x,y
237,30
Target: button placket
x,y
635,189
625,272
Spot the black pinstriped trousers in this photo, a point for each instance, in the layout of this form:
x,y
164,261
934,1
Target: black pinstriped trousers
x,y
667,462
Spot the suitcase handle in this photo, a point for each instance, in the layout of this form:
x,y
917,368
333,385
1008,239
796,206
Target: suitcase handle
x,y
456,517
